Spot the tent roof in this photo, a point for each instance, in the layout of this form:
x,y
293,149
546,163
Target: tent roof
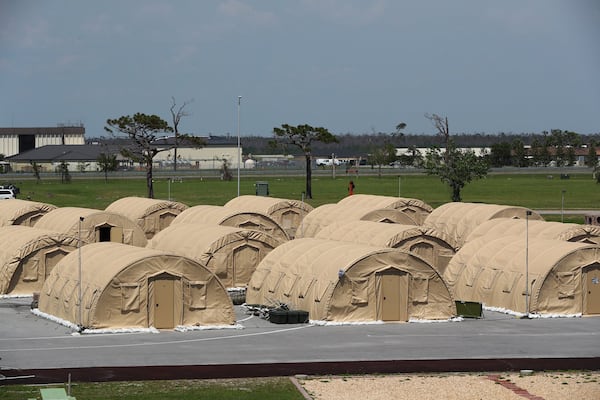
x,y
397,203
195,240
219,215
66,219
508,253
11,210
140,207
457,220
540,229
327,214
20,241
323,259
106,260
375,233
267,205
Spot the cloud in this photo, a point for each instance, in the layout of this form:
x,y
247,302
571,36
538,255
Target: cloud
x,y
242,11
342,11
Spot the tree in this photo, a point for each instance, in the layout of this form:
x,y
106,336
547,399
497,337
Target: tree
x,y
591,159
176,115
63,169
519,158
399,128
383,156
142,130
107,163
500,154
453,166
36,171
302,136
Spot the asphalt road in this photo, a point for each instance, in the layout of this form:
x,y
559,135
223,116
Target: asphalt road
x,y
31,342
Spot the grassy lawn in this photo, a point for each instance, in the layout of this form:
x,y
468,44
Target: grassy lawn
x,y
222,389
535,191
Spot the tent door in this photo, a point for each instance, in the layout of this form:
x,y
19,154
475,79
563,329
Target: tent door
x,y
393,295
245,260
165,219
51,258
109,233
591,296
164,302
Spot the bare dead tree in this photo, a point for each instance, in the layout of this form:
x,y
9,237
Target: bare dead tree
x,y
177,113
441,125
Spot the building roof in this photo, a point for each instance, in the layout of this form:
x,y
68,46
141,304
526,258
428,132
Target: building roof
x,y
92,150
67,152
56,130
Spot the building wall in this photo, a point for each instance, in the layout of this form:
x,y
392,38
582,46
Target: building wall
x,y
201,158
9,145
9,137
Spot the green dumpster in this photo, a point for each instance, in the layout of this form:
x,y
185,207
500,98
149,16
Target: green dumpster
x,y
262,188
469,309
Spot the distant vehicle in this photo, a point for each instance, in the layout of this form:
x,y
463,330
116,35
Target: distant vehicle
x,y
12,187
6,194
327,162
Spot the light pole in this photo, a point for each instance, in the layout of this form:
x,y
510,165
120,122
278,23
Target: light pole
x,y
527,214
333,165
562,206
238,145
80,276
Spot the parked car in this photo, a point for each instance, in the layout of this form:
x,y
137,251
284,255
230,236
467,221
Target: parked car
x,y
7,194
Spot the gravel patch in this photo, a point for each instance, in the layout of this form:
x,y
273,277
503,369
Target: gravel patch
x,y
581,385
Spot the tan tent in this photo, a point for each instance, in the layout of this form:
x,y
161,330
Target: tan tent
x,y
457,220
152,215
132,287
22,212
28,255
416,209
425,242
218,215
288,213
96,226
341,281
327,214
230,253
538,229
562,276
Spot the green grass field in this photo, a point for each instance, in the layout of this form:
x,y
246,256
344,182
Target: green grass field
x,y
535,191
222,389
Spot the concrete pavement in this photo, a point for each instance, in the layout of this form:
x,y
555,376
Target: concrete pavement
x,y
30,343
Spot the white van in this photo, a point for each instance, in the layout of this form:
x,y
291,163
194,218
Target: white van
x,y
327,162
6,194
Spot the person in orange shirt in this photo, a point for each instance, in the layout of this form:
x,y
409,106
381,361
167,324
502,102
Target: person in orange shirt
x,y
351,188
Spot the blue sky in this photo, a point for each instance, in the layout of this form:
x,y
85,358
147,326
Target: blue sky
x,y
350,66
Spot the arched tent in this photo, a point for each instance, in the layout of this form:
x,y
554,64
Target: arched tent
x,y
288,213
22,212
28,255
417,209
96,225
327,214
152,215
457,220
218,215
341,281
562,276
232,254
538,229
425,242
133,287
